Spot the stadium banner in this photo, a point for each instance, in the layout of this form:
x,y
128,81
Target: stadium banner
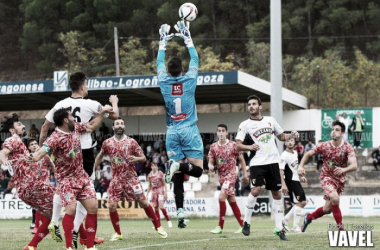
x,y
125,209
351,205
60,82
328,116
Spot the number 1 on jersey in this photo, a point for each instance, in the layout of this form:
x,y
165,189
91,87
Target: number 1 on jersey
x,y
178,105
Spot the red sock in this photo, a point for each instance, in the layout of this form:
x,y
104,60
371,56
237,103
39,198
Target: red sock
x,y
91,226
115,222
38,219
222,213
337,216
163,210
316,214
150,213
42,231
236,211
68,226
157,212
82,232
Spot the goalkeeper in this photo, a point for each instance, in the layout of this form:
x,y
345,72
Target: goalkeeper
x,y
183,140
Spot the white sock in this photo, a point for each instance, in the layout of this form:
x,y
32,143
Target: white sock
x,y
251,202
289,214
297,216
278,210
81,212
57,206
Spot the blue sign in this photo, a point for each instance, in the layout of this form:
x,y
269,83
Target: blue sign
x,y
109,83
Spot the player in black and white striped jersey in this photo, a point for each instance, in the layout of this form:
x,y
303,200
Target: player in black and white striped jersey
x,y
291,184
83,110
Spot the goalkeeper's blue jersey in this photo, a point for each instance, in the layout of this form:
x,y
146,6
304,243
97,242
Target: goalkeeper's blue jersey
x,y
179,92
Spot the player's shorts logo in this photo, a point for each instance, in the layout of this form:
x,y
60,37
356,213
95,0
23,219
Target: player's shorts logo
x,y
253,181
67,196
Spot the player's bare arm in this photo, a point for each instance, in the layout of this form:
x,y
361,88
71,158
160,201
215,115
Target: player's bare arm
x,y
136,159
149,188
244,170
98,159
285,189
4,156
304,160
165,188
114,100
211,164
241,147
37,155
285,137
44,131
94,123
351,166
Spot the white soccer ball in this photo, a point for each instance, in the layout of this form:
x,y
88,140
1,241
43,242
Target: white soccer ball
x,y
188,12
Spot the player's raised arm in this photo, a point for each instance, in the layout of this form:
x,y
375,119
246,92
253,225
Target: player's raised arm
x,y
184,33
4,156
94,123
44,131
114,100
164,38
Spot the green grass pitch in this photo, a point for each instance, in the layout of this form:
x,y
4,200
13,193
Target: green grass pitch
x,y
139,234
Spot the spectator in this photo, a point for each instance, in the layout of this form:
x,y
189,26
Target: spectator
x,y
52,180
139,168
10,187
106,163
309,146
107,173
143,147
346,121
163,162
161,147
104,132
3,185
102,184
98,170
148,167
300,150
319,159
149,152
376,157
33,132
99,142
357,126
156,157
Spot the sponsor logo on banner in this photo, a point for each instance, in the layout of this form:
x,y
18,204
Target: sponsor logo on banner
x,y
210,79
125,209
28,87
356,206
61,80
376,206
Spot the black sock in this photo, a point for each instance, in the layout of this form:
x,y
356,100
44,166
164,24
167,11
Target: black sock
x,y
178,180
190,169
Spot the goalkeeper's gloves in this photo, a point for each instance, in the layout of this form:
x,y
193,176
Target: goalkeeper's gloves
x,y
164,36
183,32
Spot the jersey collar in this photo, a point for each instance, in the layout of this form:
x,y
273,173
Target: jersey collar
x,y
227,141
338,146
262,117
125,137
61,131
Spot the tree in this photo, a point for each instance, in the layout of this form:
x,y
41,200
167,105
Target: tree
x,y
78,57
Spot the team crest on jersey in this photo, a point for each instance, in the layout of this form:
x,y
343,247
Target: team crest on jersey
x,y
116,160
298,197
177,89
219,161
67,196
253,181
330,164
72,153
265,138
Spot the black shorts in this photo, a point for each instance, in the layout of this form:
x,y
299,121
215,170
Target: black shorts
x,y
296,192
88,160
268,175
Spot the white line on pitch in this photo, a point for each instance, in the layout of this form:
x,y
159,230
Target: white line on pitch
x,y
202,240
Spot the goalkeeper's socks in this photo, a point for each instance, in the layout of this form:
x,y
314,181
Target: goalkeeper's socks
x,y
178,189
190,169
